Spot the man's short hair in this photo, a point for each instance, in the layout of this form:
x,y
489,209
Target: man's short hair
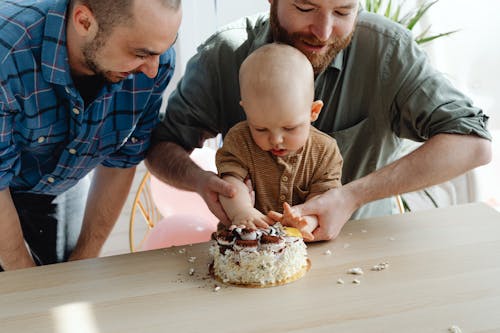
x,y
110,13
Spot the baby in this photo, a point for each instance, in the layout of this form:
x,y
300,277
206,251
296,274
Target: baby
x,y
286,158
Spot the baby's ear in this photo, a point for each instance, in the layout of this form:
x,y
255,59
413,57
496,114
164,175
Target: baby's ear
x,y
316,109
241,103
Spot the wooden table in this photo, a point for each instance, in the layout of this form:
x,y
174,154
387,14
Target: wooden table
x,y
444,270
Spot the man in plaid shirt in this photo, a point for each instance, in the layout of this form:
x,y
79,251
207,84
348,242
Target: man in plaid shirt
x,y
81,85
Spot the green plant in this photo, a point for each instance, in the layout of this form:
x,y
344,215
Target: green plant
x,y
409,19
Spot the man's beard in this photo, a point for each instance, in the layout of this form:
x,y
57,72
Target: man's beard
x,y
319,62
90,51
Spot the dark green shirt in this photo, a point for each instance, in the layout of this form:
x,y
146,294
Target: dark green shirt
x,y
378,92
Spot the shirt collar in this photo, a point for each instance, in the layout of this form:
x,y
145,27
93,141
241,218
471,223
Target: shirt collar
x,y
55,65
338,62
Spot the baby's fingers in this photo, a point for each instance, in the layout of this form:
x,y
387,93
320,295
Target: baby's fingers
x,y
275,216
308,237
261,223
287,210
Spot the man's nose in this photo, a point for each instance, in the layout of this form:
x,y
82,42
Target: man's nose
x,y
323,26
150,67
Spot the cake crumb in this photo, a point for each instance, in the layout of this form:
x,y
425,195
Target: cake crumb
x,y
217,288
346,245
392,238
340,281
355,271
356,281
364,230
327,252
183,250
191,259
191,271
454,329
380,266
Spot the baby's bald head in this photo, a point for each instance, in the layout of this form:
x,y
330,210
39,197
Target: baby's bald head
x,y
278,71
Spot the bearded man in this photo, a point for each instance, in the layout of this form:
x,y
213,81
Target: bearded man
x,y
377,87
81,85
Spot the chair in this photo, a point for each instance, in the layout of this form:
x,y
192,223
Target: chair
x,y
171,216
145,206
399,203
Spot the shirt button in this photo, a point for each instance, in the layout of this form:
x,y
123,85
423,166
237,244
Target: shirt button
x,y
68,91
76,111
284,178
72,151
41,139
133,139
282,197
51,180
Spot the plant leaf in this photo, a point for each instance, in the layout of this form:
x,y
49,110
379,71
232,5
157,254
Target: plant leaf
x,y
431,38
395,16
423,33
420,12
368,5
408,19
388,9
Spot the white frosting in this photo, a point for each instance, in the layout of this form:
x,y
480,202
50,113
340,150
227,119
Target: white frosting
x,y
271,263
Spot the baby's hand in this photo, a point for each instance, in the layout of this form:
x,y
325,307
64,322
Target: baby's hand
x,y
288,218
251,219
306,224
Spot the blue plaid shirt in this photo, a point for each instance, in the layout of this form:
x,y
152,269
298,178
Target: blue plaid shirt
x,y
48,138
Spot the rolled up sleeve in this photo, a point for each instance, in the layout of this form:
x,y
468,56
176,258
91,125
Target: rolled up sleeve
x,y
427,103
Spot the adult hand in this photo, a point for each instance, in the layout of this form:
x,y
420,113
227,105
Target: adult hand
x,y
210,187
333,208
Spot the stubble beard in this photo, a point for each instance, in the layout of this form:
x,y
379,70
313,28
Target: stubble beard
x,y
90,51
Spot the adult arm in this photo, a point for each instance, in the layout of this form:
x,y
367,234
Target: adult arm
x,y
171,164
13,252
107,195
442,157
423,106
199,108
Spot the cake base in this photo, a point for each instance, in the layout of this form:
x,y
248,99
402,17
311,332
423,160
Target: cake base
x,y
290,279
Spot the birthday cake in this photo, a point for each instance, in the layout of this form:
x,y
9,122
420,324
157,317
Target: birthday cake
x,y
259,258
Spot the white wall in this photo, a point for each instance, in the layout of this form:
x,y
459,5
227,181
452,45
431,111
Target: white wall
x,y
470,57
203,17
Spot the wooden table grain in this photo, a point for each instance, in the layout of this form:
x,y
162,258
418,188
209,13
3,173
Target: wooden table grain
x,y
444,270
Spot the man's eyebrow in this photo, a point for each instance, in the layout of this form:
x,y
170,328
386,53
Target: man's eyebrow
x,y
349,6
153,53
305,2
309,2
147,52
